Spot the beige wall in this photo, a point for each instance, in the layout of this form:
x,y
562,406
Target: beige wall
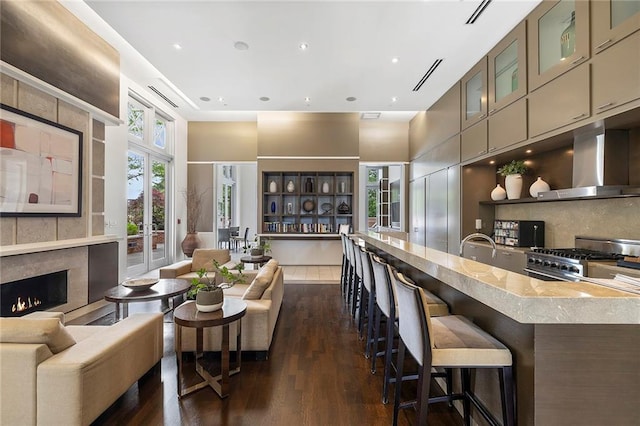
x,y
308,134
384,141
222,141
418,135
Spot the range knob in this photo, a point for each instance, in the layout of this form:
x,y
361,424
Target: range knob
x,y
554,264
538,262
546,263
574,269
531,260
564,267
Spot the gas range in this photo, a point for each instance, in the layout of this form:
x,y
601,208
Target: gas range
x,y
571,264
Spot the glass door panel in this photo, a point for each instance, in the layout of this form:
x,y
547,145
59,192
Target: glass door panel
x,y
621,10
136,251
506,76
474,95
158,211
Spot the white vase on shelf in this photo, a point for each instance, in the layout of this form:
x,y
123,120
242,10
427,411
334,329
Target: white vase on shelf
x,y
513,185
538,186
272,186
325,187
290,186
498,193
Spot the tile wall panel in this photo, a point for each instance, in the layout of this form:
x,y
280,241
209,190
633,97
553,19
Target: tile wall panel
x,y
36,229
34,101
8,90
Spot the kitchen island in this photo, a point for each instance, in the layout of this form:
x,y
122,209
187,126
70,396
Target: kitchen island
x,y
576,346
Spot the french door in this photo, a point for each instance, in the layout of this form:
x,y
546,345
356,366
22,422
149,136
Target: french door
x,y
147,212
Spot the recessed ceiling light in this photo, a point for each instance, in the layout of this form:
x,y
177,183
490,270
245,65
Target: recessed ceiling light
x,y
220,99
303,46
394,60
394,99
307,99
528,151
492,162
264,98
177,46
205,98
351,98
241,45
369,115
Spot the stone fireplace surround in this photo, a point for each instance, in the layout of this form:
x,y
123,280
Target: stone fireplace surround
x,y
29,260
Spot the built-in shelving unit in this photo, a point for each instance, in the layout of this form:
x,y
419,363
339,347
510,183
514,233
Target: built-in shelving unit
x,y
307,202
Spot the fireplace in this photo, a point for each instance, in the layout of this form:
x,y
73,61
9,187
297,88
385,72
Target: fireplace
x,y
31,294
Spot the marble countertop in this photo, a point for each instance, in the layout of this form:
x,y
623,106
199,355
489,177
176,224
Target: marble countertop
x,y
16,249
524,299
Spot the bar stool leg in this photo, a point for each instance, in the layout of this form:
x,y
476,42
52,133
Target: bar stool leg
x,y
370,322
388,354
424,382
466,389
396,404
507,395
376,339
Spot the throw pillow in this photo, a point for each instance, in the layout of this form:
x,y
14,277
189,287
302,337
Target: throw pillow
x,y
261,282
48,331
203,258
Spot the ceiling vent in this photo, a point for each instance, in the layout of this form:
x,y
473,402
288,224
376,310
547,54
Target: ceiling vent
x,y
170,94
476,14
430,71
163,96
370,116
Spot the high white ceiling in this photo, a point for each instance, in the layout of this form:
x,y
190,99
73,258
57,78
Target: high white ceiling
x,y
351,46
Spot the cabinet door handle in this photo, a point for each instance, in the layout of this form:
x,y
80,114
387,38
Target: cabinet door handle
x,y
482,115
577,60
608,104
481,152
604,43
492,148
492,111
579,116
506,254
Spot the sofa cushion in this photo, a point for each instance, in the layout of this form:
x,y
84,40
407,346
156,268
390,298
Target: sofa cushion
x,y
261,281
203,258
48,331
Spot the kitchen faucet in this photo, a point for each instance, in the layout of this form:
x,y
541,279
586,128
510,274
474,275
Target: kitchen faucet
x,y
475,236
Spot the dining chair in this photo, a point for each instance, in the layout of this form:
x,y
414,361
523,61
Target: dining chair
x,y
234,231
223,237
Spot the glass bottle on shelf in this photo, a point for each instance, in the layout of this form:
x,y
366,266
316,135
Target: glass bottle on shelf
x,y
568,38
514,79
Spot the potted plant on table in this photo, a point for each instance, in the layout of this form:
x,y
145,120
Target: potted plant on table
x,y
513,172
208,295
259,247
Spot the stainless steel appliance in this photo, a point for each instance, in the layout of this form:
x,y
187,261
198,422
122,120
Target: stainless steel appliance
x,y
571,264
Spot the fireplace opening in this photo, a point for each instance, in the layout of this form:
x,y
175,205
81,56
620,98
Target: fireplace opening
x,y
18,298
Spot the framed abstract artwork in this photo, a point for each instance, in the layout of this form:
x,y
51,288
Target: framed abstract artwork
x,y
40,166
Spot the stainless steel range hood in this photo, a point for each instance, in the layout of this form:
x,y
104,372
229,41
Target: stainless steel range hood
x,y
600,164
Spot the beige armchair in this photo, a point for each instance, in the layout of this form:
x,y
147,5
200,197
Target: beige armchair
x,y
202,258
68,375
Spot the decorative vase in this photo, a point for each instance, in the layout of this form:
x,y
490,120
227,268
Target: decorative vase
x,y
273,207
325,187
190,243
538,186
290,186
343,208
308,185
209,300
513,185
257,253
272,186
289,208
342,187
498,193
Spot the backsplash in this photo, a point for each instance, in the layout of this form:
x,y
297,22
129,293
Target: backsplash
x,y
605,218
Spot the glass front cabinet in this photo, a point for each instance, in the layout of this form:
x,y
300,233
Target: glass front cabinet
x,y
611,21
474,94
508,69
307,202
558,39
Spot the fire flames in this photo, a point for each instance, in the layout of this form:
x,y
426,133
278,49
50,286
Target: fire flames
x,y
20,305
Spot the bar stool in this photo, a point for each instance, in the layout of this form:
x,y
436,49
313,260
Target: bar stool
x,y
367,295
345,264
350,271
450,342
357,277
384,275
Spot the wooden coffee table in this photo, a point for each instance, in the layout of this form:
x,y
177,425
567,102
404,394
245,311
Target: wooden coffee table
x,y
165,289
257,260
186,315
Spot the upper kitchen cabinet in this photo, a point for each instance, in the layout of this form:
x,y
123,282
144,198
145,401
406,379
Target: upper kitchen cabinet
x,y
443,117
611,21
558,39
508,69
615,76
474,94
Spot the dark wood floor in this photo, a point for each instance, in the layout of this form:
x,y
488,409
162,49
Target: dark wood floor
x,y
316,374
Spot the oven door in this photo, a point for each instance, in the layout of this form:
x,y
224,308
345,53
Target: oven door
x,y
544,276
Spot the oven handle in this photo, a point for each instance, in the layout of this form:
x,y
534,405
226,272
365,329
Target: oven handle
x,y
555,277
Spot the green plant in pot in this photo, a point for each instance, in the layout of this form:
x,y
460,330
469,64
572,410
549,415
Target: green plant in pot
x,y
259,247
209,295
512,173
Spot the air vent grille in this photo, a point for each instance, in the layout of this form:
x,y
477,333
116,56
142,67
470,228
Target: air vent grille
x,y
163,96
430,71
476,14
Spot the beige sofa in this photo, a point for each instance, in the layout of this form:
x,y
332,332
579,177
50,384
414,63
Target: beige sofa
x,y
68,375
201,258
263,292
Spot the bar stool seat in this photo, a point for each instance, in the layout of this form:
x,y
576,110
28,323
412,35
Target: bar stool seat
x,y
448,342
